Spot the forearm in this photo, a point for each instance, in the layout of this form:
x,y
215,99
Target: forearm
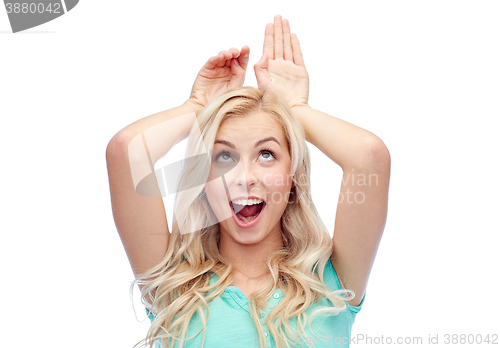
x,y
344,143
158,133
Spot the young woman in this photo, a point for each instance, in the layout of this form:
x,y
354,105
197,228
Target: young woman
x,y
249,262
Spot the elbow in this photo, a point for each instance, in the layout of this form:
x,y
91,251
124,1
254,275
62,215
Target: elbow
x,y
116,146
377,155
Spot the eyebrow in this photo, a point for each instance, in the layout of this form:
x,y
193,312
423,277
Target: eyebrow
x,y
231,145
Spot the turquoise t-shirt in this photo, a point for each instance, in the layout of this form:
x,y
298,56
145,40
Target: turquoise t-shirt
x,y
231,326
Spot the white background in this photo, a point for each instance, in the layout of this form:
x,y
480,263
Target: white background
x,y
422,75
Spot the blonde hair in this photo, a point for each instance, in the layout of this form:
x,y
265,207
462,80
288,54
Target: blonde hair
x,y
176,288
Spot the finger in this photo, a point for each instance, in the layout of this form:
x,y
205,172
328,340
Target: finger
x,y
226,56
235,52
278,37
243,57
238,77
297,53
213,61
286,40
239,67
236,68
269,41
260,69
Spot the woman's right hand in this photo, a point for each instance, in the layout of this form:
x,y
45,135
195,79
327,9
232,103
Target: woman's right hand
x,y
220,74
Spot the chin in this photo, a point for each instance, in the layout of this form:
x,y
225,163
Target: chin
x,y
247,237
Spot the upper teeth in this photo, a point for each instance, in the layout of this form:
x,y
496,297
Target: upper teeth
x,y
247,201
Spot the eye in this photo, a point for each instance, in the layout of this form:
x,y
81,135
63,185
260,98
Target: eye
x,y
224,157
267,155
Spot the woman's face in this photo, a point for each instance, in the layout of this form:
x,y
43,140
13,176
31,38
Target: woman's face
x,y
250,178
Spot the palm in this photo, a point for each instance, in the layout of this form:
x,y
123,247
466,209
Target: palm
x,y
219,75
282,68
288,79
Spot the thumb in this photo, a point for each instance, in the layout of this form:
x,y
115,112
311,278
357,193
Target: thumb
x,y
263,62
261,66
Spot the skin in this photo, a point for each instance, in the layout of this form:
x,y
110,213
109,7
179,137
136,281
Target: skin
x,y
141,221
259,174
220,74
360,153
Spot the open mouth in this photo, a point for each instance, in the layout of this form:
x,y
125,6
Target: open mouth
x,y
247,210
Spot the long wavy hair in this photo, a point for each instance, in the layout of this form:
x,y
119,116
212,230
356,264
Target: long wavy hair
x,y
176,288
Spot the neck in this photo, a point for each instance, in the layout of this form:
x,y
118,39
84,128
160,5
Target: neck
x,y
250,259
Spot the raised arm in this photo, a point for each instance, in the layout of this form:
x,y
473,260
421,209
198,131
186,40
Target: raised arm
x,y
363,157
362,205
131,154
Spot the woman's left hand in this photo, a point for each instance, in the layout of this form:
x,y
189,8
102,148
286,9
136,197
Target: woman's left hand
x,y
220,74
281,68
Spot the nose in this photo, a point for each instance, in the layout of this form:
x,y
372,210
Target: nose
x,y
245,175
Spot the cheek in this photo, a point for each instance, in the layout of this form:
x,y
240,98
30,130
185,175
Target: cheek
x,y
216,195
277,187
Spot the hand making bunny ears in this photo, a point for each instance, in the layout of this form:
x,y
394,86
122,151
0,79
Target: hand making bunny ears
x,y
281,67
220,74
